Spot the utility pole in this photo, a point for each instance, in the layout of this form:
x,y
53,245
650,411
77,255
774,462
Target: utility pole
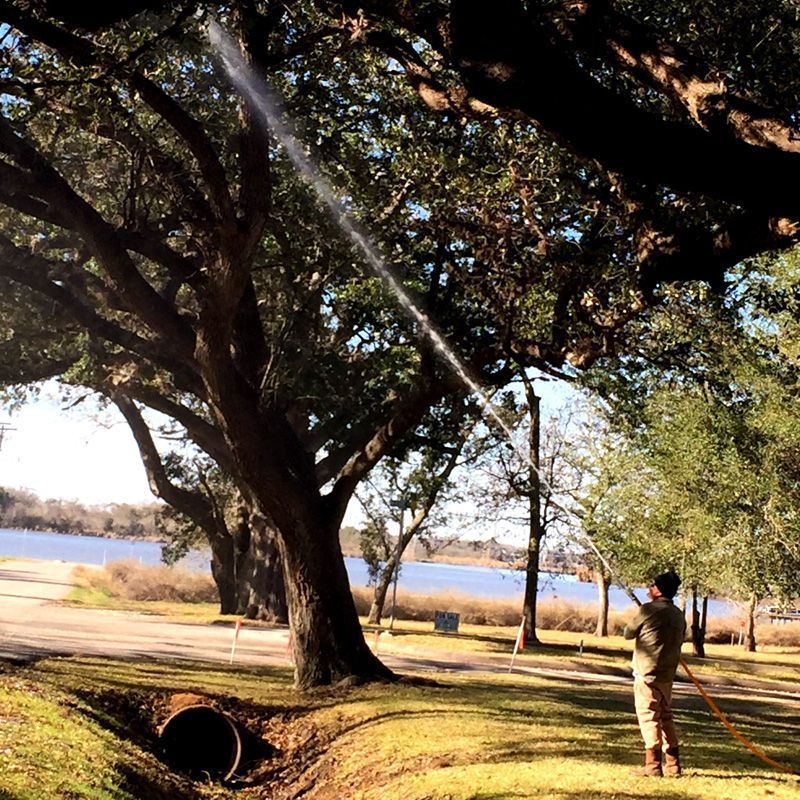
x,y
401,505
4,428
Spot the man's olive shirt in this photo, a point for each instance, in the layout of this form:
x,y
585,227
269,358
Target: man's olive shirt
x,y
659,629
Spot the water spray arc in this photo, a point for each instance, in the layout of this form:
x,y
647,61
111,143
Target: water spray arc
x,y
264,102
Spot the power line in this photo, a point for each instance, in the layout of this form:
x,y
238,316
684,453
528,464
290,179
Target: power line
x,y
5,427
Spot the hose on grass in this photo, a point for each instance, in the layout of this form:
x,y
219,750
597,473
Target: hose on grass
x,y
741,738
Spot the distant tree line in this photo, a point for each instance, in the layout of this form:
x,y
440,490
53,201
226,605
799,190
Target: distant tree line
x,y
24,510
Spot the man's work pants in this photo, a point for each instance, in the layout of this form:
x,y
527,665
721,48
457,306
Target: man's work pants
x,y
654,711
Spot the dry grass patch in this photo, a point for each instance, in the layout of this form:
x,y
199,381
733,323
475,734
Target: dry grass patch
x,y
577,617
130,580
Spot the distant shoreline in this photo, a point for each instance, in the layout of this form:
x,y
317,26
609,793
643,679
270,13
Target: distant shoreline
x,y
456,561
152,538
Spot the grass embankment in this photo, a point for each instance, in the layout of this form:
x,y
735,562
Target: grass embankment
x,y
83,728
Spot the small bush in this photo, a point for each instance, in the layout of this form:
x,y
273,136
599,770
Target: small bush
x,y
131,580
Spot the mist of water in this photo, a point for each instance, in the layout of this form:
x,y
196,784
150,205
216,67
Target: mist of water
x,y
264,101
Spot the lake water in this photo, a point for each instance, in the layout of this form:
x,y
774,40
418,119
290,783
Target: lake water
x,y
415,576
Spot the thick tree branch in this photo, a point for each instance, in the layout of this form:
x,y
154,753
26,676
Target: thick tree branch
x,y
196,140
165,165
503,56
33,272
516,61
666,255
699,92
435,93
255,193
205,435
84,52
407,412
192,504
17,190
100,239
358,436
26,359
152,247
249,343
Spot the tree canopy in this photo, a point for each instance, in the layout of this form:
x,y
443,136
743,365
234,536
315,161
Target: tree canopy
x,y
157,247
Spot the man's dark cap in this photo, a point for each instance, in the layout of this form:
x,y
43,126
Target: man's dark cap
x,y
667,583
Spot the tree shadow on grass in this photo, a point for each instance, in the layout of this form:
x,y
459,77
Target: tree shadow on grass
x,y
138,785
150,674
169,667
598,794
753,776
609,719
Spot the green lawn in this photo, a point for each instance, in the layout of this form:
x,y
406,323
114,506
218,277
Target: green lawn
x,y
92,597
80,728
559,649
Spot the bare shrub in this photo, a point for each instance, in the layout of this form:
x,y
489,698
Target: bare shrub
x,y
421,607
787,635
120,571
131,580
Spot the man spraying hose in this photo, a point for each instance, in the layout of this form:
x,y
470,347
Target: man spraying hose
x,y
659,629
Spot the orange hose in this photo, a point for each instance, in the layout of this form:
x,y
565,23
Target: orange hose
x,y
758,753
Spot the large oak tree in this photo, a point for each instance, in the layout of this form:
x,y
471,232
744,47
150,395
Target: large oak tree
x,y
149,225
157,248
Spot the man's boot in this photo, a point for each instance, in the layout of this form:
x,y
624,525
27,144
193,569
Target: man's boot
x,y
652,764
672,762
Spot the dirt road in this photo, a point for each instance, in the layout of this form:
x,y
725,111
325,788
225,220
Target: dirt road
x,y
32,624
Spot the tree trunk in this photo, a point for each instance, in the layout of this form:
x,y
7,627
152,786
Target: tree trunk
x,y
750,629
602,580
698,630
532,587
243,557
703,623
223,570
535,531
267,599
328,644
381,590
262,588
327,641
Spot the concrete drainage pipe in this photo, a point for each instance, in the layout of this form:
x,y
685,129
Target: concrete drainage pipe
x,y
202,742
